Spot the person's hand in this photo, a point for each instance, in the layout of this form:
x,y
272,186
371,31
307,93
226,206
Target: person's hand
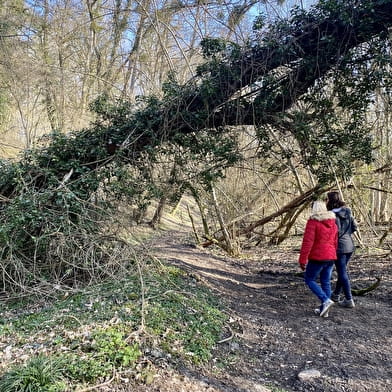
x,y
302,266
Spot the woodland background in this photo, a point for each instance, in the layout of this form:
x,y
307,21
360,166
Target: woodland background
x,y
253,109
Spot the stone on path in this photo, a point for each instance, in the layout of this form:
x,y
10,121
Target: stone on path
x,y
309,374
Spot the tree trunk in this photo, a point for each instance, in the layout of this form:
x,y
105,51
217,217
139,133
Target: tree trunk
x,y
156,219
229,245
294,204
196,196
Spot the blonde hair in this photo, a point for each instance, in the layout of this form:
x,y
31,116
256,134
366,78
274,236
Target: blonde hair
x,y
318,206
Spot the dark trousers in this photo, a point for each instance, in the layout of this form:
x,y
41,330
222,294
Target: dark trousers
x,y
343,282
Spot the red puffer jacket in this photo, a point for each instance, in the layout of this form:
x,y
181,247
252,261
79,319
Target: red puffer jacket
x,y
320,239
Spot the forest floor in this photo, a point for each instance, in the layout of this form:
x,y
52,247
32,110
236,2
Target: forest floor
x,y
274,335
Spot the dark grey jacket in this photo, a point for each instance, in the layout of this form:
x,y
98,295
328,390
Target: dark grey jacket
x,y
346,226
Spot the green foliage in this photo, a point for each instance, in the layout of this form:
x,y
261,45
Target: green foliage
x,y
259,22
111,111
40,374
328,125
110,344
33,231
54,373
85,368
212,46
190,327
181,318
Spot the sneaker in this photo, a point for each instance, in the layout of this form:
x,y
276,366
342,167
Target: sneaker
x,y
347,303
318,311
325,306
335,297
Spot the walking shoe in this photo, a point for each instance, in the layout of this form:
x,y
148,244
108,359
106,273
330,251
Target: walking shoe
x,y
335,297
347,303
325,306
318,311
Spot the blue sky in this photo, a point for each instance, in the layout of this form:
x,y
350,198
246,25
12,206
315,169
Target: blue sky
x,y
272,10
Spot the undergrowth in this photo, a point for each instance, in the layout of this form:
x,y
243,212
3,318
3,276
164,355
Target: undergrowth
x,y
117,327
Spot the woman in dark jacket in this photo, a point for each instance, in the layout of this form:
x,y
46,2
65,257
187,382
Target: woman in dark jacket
x,y
318,252
347,226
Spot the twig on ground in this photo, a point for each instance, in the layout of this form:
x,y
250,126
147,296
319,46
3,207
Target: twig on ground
x,y
228,338
99,385
72,317
143,305
170,292
367,289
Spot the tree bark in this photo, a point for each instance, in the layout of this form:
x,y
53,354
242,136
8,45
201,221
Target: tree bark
x,y
297,202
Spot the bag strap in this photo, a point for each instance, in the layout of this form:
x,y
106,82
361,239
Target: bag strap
x,y
339,226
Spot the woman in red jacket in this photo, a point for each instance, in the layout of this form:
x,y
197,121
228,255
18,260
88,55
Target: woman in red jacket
x,y
318,253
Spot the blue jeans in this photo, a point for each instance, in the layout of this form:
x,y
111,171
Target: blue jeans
x,y
343,282
324,270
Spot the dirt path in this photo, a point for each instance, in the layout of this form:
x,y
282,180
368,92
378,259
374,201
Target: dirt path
x,y
276,334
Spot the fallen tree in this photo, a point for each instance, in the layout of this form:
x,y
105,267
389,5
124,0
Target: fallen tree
x,y
236,86
292,205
